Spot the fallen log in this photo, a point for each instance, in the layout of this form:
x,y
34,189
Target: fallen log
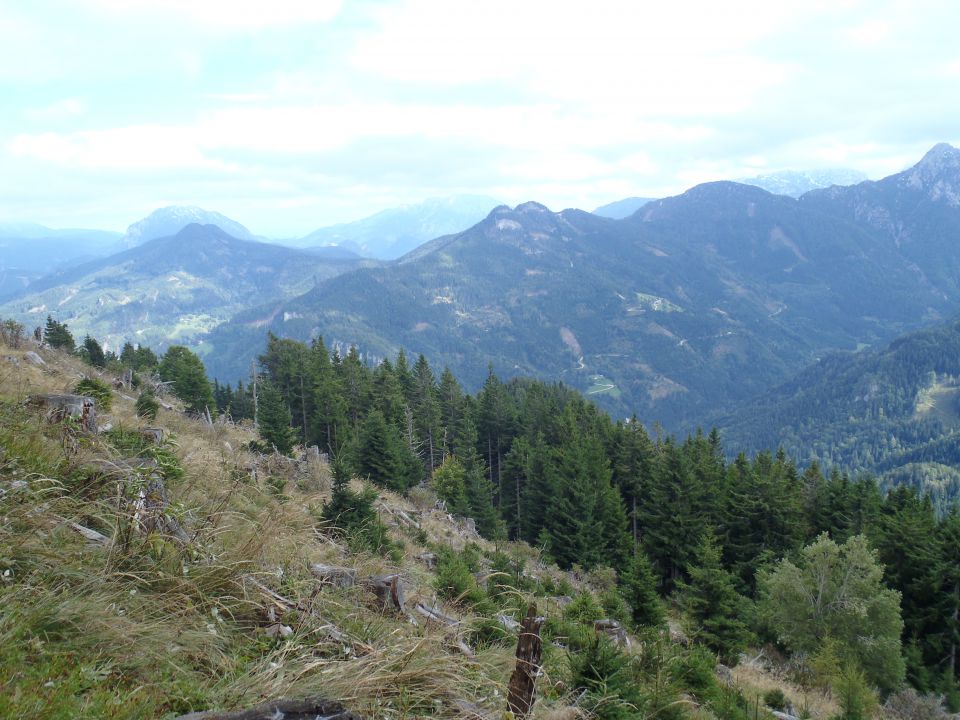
x,y
436,615
308,709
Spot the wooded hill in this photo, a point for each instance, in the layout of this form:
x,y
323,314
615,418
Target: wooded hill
x,y
894,413
267,591
688,305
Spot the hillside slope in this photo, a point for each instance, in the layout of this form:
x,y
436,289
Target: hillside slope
x,y
145,579
692,303
172,289
893,412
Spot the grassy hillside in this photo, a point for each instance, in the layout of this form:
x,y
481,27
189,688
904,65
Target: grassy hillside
x,y
105,619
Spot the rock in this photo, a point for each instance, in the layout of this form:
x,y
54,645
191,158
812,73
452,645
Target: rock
x,y
278,630
429,559
332,575
613,630
508,623
60,407
31,357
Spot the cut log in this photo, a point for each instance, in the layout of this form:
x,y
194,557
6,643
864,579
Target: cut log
x,y
523,682
308,709
332,575
389,590
436,615
60,407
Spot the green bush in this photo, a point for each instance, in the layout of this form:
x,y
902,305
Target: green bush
x,y
775,699
98,390
147,406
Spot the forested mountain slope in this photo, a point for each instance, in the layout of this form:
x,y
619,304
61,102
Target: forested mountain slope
x,y
171,289
893,412
691,303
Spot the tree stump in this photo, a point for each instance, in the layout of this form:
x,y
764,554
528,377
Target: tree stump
x,y
332,575
523,682
389,591
153,434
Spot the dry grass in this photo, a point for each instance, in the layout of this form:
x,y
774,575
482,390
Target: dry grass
x,y
87,628
755,679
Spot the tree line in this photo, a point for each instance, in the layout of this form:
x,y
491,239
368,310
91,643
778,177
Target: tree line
x,y
740,546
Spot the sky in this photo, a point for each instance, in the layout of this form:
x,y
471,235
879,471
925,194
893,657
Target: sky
x,y
289,115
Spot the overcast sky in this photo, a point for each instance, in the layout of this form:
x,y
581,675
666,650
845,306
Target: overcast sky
x,y
288,115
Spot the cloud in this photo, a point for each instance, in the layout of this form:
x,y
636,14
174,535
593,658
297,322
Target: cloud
x,y
228,14
871,33
675,58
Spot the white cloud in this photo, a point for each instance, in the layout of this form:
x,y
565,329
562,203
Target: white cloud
x,y
681,57
138,147
225,14
869,34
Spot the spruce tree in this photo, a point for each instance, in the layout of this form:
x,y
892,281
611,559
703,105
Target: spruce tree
x,y
92,352
273,419
189,377
638,586
382,456
712,605
57,335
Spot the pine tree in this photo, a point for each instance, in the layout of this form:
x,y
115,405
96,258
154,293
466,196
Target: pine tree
x,y
57,335
273,419
638,586
713,606
189,378
92,352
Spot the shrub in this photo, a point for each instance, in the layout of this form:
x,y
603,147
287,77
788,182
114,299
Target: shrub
x,y
147,406
98,390
775,699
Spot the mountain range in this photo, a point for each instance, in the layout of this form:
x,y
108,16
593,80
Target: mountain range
x,y
692,303
172,289
796,183
394,232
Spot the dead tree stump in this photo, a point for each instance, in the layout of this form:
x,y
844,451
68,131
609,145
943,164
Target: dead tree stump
x,y
340,577
523,682
389,590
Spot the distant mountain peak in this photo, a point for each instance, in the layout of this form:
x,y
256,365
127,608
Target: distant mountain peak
x,y
937,174
531,207
797,182
170,220
392,233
